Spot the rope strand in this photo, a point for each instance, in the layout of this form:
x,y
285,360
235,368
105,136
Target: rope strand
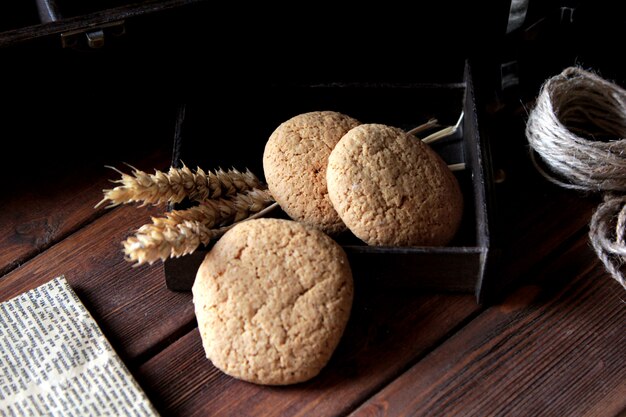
x,y
578,128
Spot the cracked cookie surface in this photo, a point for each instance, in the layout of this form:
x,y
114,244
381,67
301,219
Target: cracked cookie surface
x,y
272,299
294,163
391,189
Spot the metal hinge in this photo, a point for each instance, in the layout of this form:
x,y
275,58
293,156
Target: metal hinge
x,y
93,37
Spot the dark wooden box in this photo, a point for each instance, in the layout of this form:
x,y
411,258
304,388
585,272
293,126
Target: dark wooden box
x,y
248,28
85,25
236,135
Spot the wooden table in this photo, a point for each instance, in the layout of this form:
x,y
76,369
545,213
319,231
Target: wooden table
x,y
555,345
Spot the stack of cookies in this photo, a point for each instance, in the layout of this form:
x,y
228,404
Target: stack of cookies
x,y
273,297
327,170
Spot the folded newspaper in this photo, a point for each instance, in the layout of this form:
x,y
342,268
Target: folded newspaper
x,y
55,361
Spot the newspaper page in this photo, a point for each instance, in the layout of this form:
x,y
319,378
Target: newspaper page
x,y
55,361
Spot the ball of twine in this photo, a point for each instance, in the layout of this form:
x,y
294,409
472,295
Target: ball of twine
x,y
607,232
578,128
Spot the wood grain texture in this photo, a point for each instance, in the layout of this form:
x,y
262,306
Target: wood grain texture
x,y
387,332
554,347
132,305
42,211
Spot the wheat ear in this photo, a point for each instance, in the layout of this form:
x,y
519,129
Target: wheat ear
x,y
180,232
177,184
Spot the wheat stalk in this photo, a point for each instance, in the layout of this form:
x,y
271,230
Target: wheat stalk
x,y
447,131
180,232
177,184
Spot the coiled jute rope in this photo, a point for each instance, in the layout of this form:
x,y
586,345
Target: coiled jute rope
x,y
578,128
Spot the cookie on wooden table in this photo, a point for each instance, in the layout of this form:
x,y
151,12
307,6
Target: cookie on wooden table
x,y
272,299
294,163
391,189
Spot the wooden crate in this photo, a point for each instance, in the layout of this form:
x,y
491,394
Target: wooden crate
x,y
236,135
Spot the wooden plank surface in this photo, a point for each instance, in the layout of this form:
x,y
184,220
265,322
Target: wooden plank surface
x,y
387,331
345,383
132,305
554,347
39,211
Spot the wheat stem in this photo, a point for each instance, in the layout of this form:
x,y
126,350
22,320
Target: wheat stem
x,y
457,167
177,184
447,131
425,126
180,232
